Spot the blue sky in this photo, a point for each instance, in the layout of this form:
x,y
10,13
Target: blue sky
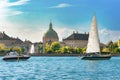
x,y
29,19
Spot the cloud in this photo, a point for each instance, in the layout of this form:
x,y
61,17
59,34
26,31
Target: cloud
x,y
62,5
109,35
6,10
20,2
36,35
7,3
63,32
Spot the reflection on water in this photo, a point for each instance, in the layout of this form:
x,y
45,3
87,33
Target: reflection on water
x,y
92,66
60,68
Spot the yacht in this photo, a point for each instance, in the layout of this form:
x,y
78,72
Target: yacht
x,y
93,46
13,55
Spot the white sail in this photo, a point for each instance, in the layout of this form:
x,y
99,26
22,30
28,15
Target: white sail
x,y
93,41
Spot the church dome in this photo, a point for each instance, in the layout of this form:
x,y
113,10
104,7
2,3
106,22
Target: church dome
x,y
50,32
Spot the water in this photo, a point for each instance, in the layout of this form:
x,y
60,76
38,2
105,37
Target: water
x,y
60,68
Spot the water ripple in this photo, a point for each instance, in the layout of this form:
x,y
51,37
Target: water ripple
x,y
60,68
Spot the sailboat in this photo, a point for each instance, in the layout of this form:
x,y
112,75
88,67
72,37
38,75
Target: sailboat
x,y
93,46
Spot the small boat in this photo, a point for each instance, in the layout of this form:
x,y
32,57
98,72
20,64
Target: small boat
x,y
93,47
15,56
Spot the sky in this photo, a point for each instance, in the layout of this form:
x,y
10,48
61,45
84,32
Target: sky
x,y
29,19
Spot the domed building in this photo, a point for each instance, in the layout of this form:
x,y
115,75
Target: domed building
x,y
50,36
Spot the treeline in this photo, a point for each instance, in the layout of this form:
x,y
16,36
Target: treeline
x,y
56,47
112,48
4,49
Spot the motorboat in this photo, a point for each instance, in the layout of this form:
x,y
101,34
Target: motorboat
x,y
13,55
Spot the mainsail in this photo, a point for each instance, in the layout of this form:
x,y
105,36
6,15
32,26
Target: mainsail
x,y
93,41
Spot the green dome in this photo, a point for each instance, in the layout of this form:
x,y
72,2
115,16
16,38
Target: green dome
x,y
50,32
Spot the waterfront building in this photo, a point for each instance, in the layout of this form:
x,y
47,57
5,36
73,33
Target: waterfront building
x,y
50,36
14,42
9,41
76,40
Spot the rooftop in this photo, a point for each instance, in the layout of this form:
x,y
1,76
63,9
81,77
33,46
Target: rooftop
x,y
77,36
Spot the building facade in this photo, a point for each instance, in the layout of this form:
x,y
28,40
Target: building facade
x,y
50,36
76,40
14,42
9,41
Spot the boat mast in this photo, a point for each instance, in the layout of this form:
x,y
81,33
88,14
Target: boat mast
x,y
93,41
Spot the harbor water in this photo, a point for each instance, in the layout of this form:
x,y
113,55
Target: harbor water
x,y
60,68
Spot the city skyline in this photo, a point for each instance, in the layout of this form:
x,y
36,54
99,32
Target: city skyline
x,y
29,19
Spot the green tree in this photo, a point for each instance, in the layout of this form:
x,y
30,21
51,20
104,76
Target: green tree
x,y
105,50
112,47
22,49
55,47
65,49
116,50
18,49
77,50
2,46
40,48
47,48
84,50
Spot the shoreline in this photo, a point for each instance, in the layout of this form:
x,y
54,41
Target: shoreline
x,y
62,55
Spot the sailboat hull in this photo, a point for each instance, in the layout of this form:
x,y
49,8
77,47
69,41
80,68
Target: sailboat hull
x,y
96,56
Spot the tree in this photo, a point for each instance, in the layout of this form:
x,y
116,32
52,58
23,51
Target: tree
x,y
77,50
40,48
84,50
18,49
65,49
2,46
112,47
55,47
116,50
105,50
47,48
119,43
22,49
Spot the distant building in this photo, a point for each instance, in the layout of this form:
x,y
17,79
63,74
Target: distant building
x,y
76,40
9,41
38,47
50,36
14,42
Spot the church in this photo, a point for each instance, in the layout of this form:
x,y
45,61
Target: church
x,y
74,40
50,36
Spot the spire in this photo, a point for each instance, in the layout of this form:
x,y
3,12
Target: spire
x,y
50,25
